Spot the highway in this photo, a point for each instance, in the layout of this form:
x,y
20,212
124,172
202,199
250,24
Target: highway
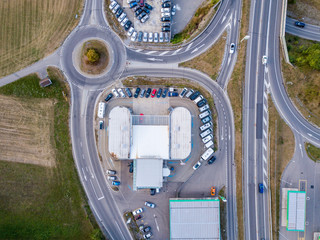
x,y
311,32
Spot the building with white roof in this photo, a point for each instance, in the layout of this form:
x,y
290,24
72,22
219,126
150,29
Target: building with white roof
x,y
296,210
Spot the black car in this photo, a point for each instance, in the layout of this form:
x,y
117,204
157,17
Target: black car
x,y
140,36
211,160
159,93
136,93
152,191
147,229
202,102
127,25
146,5
110,95
164,94
131,167
165,19
146,10
138,11
128,92
148,92
141,15
166,24
194,95
165,29
300,24
119,12
166,5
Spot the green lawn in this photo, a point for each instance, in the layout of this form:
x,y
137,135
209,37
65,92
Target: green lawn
x,y
313,152
38,202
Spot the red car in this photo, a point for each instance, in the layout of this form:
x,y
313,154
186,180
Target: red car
x,y
154,91
141,3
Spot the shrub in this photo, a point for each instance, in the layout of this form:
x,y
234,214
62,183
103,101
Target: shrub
x,y
93,55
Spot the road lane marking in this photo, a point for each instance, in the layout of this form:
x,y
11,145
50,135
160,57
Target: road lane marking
x,y
84,175
189,46
139,50
151,52
175,52
163,53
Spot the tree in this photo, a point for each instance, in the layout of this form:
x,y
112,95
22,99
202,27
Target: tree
x,y
92,55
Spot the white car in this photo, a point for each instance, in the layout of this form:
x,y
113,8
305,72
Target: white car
x,y
156,37
112,5
197,165
145,37
114,91
165,10
166,37
165,15
232,48
150,37
145,18
137,211
116,8
122,16
121,92
264,60
134,36
161,37
130,32
173,10
124,21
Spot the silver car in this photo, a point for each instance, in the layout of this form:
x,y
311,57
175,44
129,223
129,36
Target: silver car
x,y
145,37
121,92
161,37
156,37
150,37
134,36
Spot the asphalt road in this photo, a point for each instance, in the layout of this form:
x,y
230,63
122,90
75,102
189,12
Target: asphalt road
x,y
311,32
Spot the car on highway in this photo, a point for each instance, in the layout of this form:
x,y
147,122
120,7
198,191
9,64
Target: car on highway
x,y
101,124
115,183
148,92
150,204
165,19
140,36
145,37
232,48
121,92
137,211
264,60
299,24
112,178
202,102
213,191
211,160
165,91
204,108
159,93
134,36
197,165
154,91
206,119
142,93
111,172
110,95
147,236
194,95
260,187
136,93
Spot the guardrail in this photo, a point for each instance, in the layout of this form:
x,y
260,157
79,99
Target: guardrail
x,y
283,31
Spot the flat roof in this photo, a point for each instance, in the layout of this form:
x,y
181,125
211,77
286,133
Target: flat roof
x,y
180,133
148,173
296,211
150,141
119,132
194,218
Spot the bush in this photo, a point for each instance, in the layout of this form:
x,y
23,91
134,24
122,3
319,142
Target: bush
x,y
93,55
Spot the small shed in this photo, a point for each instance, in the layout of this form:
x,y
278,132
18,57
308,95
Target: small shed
x,y
45,82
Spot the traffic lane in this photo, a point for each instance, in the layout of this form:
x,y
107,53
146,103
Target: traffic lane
x,y
311,32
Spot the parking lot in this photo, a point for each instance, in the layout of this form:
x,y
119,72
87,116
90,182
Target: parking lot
x,y
181,182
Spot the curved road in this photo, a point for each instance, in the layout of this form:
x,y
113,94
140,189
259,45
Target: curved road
x,y
311,32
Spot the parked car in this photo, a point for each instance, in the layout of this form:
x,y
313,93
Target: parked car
x,y
141,227
146,10
128,91
194,95
115,9
261,187
166,5
119,12
173,94
137,217
183,92
148,92
207,138
142,93
110,95
165,15
156,37
148,6
152,191
137,211
130,31
198,99
133,4
121,92
138,11
188,94
165,29
131,167
161,37
204,108
150,37
127,25
122,16
124,21
166,24
197,165
232,48
300,24
150,204
115,92
202,102
173,10
115,183
154,91
147,236
112,177
213,191
141,15
165,19
145,18
165,10
111,172
140,36
101,124
166,37
141,3
145,37
211,160
112,5
147,229
136,93
206,119
159,93
205,126
134,36
164,94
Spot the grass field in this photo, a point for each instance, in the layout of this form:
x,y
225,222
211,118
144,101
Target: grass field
x,y
31,29
313,152
306,9
44,202
210,61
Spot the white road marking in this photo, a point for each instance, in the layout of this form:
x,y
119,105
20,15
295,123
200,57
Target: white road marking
x,y
265,172
155,59
264,159
301,149
139,50
163,53
196,49
151,52
189,46
175,52
264,146
84,175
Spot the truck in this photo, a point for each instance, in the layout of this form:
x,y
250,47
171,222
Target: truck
x,y
205,133
101,110
208,153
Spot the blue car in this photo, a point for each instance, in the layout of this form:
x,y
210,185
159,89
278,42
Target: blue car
x,y
164,94
260,187
159,93
173,94
133,4
116,183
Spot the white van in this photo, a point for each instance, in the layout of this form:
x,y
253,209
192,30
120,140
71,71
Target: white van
x,y
205,133
189,93
198,99
209,144
207,138
204,114
207,154
205,126
205,107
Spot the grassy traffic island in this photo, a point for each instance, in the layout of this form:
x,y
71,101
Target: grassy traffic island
x,y
94,57
313,152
